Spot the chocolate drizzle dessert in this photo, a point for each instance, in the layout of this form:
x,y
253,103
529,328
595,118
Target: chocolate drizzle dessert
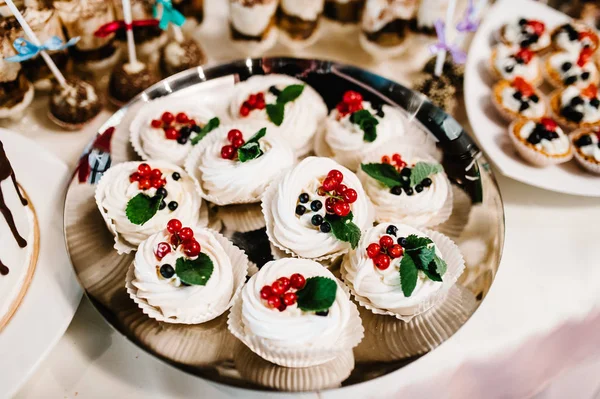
x,y
75,105
252,20
344,11
300,20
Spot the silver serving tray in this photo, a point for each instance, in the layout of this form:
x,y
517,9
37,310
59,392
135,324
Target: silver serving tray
x,y
209,350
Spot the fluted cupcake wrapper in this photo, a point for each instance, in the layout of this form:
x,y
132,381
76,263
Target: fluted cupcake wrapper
x,y
532,156
588,165
239,262
331,264
455,266
242,218
381,53
259,371
301,356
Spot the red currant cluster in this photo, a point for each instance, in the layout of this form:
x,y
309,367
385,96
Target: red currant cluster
x,y
180,235
147,178
339,196
175,126
254,101
396,161
351,103
384,252
282,293
236,139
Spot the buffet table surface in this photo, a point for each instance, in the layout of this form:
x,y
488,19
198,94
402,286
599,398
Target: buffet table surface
x,y
539,320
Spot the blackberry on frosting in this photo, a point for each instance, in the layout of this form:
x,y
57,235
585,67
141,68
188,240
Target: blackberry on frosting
x,y
540,143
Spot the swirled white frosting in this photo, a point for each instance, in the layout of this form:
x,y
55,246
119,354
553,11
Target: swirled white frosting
x,y
505,59
557,146
513,33
563,42
252,19
307,10
293,328
418,209
382,287
169,296
115,190
303,116
297,234
346,138
592,150
232,181
535,110
590,113
378,13
557,60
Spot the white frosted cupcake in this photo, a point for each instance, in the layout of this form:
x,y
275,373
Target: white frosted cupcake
x,y
295,313
252,25
574,37
405,185
518,99
356,127
186,276
566,69
168,129
290,104
528,33
541,143
577,107
137,200
586,145
316,210
510,61
400,271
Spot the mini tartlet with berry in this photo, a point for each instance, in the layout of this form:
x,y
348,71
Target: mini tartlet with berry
x,y
356,127
586,144
400,271
291,106
137,200
574,37
406,185
564,69
576,107
510,61
295,313
540,143
168,130
527,33
186,275
316,210
518,99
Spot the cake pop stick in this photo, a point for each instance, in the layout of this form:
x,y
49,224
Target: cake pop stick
x,y
129,33
170,16
441,55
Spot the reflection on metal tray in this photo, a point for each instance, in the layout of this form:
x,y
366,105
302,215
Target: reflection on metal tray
x,y
209,350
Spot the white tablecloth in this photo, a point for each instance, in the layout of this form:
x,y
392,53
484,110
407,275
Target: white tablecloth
x,y
539,320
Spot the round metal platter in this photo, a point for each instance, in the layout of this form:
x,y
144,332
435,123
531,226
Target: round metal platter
x,y
208,350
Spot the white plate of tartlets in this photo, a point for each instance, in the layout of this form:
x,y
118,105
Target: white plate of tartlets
x,y
491,130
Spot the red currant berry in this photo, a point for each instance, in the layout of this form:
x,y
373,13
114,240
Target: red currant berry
x,y
336,175
290,298
175,241
156,183
237,142
260,96
382,261
156,174
192,249
274,302
134,177
162,249
234,134
321,191
144,170
278,288
386,241
354,107
156,123
266,292
244,111
373,250
261,104
227,152
342,109
174,226
252,100
341,189
385,159
397,158
186,234
182,118
330,204
350,195
285,282
297,281
341,208
282,306
329,184
396,251
351,97
167,118
549,124
171,133
144,183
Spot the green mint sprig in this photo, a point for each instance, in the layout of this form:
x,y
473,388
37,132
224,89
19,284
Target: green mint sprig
x,y
390,177
419,254
367,123
142,208
276,112
209,127
317,295
251,149
194,272
344,229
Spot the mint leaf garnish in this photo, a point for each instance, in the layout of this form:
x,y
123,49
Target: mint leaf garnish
x,y
408,275
194,272
422,170
290,93
251,149
432,275
414,242
424,257
383,172
142,208
275,113
440,265
344,229
317,295
367,124
209,127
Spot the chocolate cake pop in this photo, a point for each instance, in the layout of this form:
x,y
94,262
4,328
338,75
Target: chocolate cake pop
x,y
74,105
179,56
128,80
438,89
453,71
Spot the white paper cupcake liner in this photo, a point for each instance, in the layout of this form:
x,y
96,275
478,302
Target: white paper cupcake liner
x,y
298,357
588,165
531,155
328,375
381,53
330,264
456,265
241,218
251,48
239,262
